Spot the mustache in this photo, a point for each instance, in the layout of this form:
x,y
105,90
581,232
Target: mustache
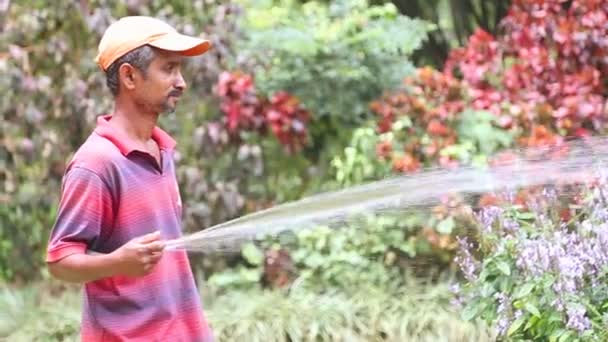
x,y
176,93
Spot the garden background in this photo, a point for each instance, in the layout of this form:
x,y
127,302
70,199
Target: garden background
x,y
302,97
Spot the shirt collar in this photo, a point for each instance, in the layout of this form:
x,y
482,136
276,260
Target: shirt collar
x,y
126,145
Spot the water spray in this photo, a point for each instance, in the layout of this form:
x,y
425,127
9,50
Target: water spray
x,y
568,163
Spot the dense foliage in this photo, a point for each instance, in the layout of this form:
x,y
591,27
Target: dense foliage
x,y
545,74
300,97
456,20
418,311
536,275
241,133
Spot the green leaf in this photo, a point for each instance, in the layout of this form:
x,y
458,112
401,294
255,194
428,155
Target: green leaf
x,y
531,322
504,267
565,336
523,291
555,317
556,334
516,325
252,254
531,308
526,216
446,226
470,311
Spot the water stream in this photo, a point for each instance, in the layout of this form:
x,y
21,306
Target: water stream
x,y
574,162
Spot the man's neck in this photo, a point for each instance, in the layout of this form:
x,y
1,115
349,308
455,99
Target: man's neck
x,y
135,124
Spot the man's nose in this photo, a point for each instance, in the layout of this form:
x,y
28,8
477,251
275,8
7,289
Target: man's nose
x,y
180,83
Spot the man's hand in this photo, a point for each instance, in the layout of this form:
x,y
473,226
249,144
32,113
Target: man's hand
x,y
138,257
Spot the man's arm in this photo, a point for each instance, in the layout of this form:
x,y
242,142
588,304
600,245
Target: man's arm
x,y
136,258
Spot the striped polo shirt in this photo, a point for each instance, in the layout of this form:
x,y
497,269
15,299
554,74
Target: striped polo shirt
x,y
111,193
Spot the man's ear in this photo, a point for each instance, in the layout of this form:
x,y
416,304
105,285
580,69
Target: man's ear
x,y
127,75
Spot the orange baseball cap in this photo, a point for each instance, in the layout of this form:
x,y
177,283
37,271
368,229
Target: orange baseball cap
x,y
129,33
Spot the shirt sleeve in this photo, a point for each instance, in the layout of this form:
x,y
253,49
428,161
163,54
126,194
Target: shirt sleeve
x,y
85,210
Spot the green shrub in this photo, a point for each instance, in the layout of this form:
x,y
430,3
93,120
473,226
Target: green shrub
x,y
385,248
39,313
53,92
415,312
334,58
23,241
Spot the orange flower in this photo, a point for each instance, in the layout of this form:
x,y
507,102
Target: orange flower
x,y
436,127
406,163
384,149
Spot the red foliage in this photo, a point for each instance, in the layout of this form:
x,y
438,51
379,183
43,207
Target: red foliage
x,y
279,269
548,66
384,149
287,120
239,102
245,110
406,163
431,101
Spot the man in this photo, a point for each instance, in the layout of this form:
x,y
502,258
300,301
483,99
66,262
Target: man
x,y
120,198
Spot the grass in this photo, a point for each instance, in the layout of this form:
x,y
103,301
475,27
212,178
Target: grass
x,y
39,313
412,313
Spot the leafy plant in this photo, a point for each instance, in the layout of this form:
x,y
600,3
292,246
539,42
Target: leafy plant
x,y
39,313
52,93
244,111
411,313
534,275
427,123
359,162
543,72
375,249
335,58
418,311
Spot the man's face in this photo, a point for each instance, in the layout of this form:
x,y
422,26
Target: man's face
x,y
162,84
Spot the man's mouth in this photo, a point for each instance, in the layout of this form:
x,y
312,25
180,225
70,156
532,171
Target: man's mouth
x,y
175,94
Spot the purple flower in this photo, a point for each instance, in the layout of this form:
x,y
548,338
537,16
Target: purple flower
x,y
508,196
577,319
518,314
503,313
600,213
455,288
487,216
510,226
535,257
464,259
549,195
574,258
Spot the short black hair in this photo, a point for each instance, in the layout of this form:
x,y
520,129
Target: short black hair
x,y
139,58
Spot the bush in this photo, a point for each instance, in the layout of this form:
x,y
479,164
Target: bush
x,y
417,311
534,275
533,84
544,72
383,248
53,92
39,313
334,58
425,124
40,125
411,313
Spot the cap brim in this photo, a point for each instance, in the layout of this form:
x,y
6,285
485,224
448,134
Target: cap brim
x,y
185,45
